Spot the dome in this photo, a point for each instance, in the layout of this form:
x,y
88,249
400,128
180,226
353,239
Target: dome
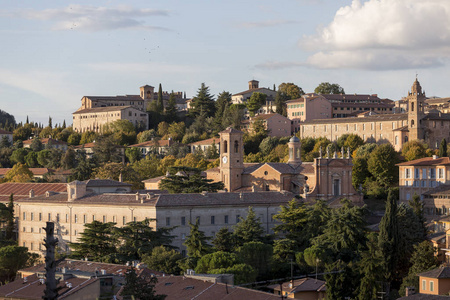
x,y
294,139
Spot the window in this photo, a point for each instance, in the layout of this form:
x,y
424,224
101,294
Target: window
x,y
32,229
76,219
225,146
114,219
84,219
67,218
49,216
238,218
75,232
93,218
124,220
213,220
24,229
183,236
440,173
408,196
134,219
183,221
32,216
225,219
24,217
236,146
424,173
424,285
407,173
432,173
431,286
197,219
57,217
416,173
167,221
40,216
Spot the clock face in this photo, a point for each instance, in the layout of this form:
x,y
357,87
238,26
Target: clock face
x,y
224,159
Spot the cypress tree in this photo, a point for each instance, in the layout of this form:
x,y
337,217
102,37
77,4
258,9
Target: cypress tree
x,y
50,122
64,124
443,148
160,101
27,120
10,225
388,238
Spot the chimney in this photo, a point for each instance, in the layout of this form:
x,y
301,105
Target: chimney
x,y
31,193
410,290
137,196
241,196
435,157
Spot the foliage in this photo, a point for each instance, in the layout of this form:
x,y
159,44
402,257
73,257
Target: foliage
x,y
19,173
163,259
97,242
84,168
415,149
249,229
196,242
18,155
224,240
139,287
68,160
417,206
170,113
146,135
88,137
329,88
381,165
36,145
31,160
222,105
188,180
243,273
105,150
443,148
202,102
286,91
216,260
176,131
133,154
257,255
12,259
115,171
255,102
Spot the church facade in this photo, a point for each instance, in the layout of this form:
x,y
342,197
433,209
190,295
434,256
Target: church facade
x,y
328,178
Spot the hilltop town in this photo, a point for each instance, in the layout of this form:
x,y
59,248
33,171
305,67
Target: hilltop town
x,y
265,193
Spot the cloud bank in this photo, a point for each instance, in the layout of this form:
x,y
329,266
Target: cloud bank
x,y
383,35
94,18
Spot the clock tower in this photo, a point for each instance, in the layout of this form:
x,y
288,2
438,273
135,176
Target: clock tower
x,y
231,158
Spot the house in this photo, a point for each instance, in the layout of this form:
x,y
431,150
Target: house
x,y
160,147
253,86
37,172
306,108
6,134
435,282
305,288
48,143
88,149
424,176
275,124
204,145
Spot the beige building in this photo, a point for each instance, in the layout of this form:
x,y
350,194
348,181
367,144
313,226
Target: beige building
x,y
48,143
328,177
205,145
94,119
308,107
275,124
253,86
154,147
7,134
393,128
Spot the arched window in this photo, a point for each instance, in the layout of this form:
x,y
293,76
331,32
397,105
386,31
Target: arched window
x,y
236,146
406,139
225,146
412,106
412,123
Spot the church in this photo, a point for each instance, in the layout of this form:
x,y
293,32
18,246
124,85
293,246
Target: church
x,y
328,178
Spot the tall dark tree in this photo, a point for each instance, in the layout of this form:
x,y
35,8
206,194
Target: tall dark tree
x,y
249,229
36,145
170,114
224,240
105,150
202,102
381,165
50,122
27,120
10,224
222,104
160,100
64,124
370,267
255,102
388,239
188,180
140,287
443,148
4,142
417,205
196,244
97,242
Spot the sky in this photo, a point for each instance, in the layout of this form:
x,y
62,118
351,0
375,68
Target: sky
x,y
52,53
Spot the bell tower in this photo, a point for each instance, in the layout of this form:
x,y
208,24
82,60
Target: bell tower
x,y
416,99
231,158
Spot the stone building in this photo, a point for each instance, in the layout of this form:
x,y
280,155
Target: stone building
x,y
275,124
393,128
6,134
253,86
307,108
327,178
48,143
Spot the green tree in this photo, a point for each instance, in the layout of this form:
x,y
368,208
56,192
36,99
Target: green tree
x,y
31,160
10,222
133,154
329,88
255,102
417,205
222,104
176,131
249,229
19,173
36,145
97,242
84,168
12,259
163,259
68,160
243,273
88,137
114,171
286,91
215,260
442,148
224,240
138,238
105,150
146,135
140,287
170,114
160,100
197,242
423,259
415,149
257,255
5,143
74,139
388,239
381,165
188,180
202,102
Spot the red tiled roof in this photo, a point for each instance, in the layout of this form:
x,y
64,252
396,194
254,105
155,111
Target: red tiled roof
x,y
32,289
21,190
426,161
207,142
302,285
159,143
104,109
92,145
35,171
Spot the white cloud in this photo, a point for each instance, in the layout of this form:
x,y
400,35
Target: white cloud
x,y
383,34
93,18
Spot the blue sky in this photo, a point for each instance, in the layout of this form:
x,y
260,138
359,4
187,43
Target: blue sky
x,y
55,52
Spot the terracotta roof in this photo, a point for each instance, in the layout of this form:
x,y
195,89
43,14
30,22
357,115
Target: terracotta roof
x,y
92,145
436,116
426,161
351,97
267,116
5,132
104,109
224,199
35,171
282,168
432,101
441,272
207,142
179,287
231,130
259,90
380,117
116,98
302,285
21,190
45,141
32,289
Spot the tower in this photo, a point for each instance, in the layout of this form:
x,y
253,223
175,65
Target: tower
x,y
253,84
416,99
294,151
147,92
231,158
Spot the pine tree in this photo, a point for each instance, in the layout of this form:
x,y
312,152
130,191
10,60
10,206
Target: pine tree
x,y
140,287
249,229
27,120
202,102
197,242
64,124
160,101
223,101
443,148
50,122
224,240
388,240
171,109
417,206
370,270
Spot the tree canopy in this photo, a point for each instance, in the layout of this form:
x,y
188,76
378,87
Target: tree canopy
x,y
329,88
